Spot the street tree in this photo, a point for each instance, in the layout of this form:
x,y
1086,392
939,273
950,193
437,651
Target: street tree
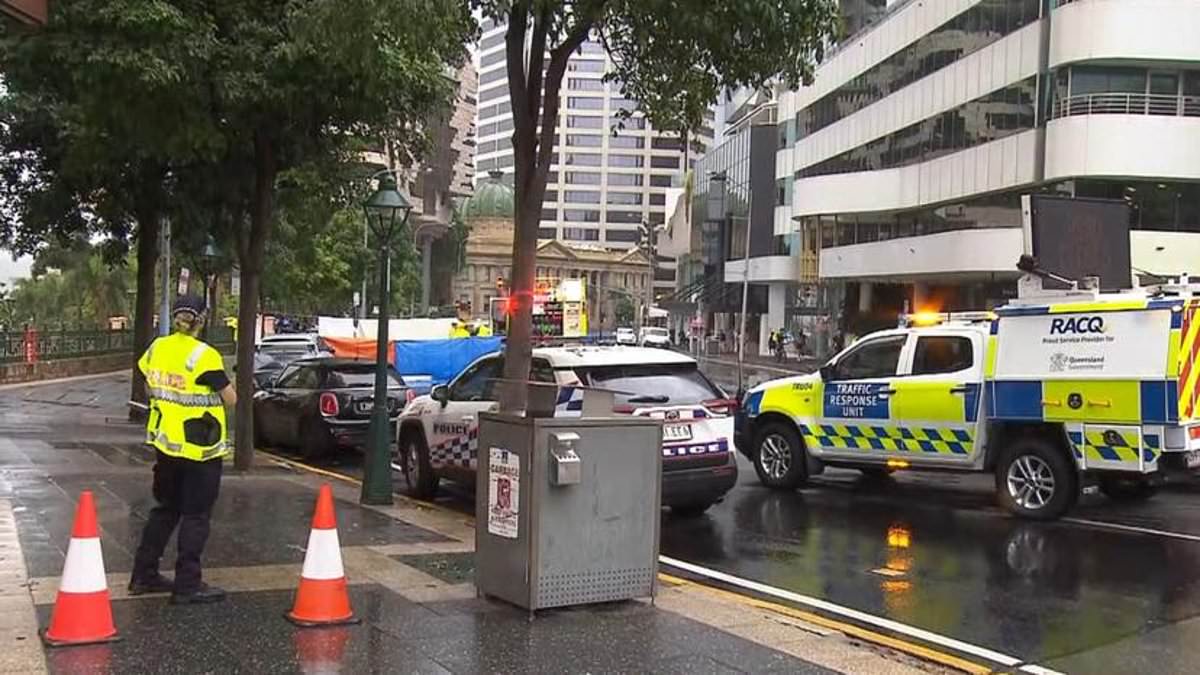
x,y
292,88
96,109
672,57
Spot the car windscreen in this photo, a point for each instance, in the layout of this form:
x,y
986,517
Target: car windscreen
x,y
657,332
356,375
652,384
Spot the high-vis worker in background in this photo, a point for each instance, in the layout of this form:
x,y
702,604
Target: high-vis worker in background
x,y
188,391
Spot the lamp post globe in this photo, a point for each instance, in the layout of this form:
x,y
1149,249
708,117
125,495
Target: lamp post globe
x,y
386,211
209,259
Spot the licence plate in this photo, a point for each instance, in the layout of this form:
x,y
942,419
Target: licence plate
x,y
677,432
1192,458
363,407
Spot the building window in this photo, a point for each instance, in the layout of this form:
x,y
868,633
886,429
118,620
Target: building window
x,y
660,181
581,216
581,234
621,235
585,140
656,218
581,197
493,76
627,142
634,123
585,84
585,66
584,122
964,34
624,216
582,178
493,58
783,192
625,198
549,214
547,232
582,159
626,161
658,199
625,179
664,162
999,114
550,196
666,143
494,92
585,102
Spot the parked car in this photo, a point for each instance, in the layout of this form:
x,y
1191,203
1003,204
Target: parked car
x,y
654,336
626,336
266,369
322,404
288,347
438,434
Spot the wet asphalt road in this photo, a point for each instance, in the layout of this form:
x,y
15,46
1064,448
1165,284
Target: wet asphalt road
x,y
929,550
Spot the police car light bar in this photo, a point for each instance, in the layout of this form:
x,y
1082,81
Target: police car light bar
x,y
921,319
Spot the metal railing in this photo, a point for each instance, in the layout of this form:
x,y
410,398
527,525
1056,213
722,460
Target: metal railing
x,y
51,345
1126,104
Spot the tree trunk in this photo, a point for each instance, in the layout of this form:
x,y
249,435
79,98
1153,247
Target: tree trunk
x,y
143,314
251,248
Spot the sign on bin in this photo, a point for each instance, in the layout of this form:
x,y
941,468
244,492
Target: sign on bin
x,y
504,490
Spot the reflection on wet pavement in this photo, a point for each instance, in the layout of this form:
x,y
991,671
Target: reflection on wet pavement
x,y
933,553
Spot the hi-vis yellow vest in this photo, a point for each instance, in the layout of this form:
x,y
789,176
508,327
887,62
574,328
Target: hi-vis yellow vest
x,y
171,366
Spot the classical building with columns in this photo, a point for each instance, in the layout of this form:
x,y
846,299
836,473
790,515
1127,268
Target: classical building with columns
x,y
610,274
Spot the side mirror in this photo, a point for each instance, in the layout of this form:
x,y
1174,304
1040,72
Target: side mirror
x,y
826,371
440,393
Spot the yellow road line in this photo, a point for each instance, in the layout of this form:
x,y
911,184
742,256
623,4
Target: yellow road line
x,y
919,651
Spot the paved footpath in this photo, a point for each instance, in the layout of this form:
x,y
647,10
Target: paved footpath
x,y
409,568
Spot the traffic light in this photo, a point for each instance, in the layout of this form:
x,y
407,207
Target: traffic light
x,y
500,285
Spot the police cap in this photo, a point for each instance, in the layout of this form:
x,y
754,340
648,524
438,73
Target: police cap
x,y
188,303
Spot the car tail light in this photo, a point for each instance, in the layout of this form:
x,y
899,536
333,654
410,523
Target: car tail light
x,y
329,404
722,406
1194,432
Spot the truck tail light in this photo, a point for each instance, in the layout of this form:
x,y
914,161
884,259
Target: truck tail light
x,y
722,406
1194,432
329,404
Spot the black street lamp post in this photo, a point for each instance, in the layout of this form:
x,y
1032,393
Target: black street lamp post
x,y
208,262
387,211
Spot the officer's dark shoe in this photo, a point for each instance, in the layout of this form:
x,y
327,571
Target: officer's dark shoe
x,y
155,584
202,595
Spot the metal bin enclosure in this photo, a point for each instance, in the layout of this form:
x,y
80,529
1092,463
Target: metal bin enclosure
x,y
586,492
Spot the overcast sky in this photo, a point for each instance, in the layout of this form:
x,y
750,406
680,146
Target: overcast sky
x,y
10,269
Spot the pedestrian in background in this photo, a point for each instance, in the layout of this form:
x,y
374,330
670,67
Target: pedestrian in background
x,y
188,390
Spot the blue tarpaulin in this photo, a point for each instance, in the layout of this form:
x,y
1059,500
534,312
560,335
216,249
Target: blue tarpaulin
x,y
441,360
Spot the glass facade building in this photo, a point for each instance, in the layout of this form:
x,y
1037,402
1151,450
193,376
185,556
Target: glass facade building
x,y
903,166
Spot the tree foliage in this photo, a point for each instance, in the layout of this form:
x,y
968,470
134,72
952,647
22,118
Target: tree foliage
x,y
673,57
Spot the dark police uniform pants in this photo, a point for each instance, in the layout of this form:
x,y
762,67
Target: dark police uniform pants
x,y
185,491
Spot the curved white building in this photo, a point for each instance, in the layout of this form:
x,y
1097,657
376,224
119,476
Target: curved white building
x,y
905,161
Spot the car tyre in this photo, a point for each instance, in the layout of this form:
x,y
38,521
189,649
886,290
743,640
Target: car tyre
x,y
315,442
779,457
1127,489
416,471
1035,479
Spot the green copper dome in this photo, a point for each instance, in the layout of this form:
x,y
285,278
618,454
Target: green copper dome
x,y
492,199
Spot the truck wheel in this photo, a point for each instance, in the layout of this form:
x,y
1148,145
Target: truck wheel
x,y
419,479
1127,489
779,457
1035,479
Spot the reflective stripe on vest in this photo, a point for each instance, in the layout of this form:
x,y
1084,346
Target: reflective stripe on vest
x,y
186,400
194,357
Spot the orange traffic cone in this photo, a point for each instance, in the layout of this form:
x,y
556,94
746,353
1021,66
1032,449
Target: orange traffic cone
x,y
82,611
322,599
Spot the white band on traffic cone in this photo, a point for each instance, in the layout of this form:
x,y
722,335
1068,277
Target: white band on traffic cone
x,y
84,569
323,560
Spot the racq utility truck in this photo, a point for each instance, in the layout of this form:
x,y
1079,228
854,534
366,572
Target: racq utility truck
x,y
1053,392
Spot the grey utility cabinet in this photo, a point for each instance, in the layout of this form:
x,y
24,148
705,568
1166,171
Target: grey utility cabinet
x,y
585,526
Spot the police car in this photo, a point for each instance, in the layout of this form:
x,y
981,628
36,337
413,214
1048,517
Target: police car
x,y
1053,392
437,437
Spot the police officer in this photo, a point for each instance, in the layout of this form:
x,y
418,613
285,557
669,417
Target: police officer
x,y
188,391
